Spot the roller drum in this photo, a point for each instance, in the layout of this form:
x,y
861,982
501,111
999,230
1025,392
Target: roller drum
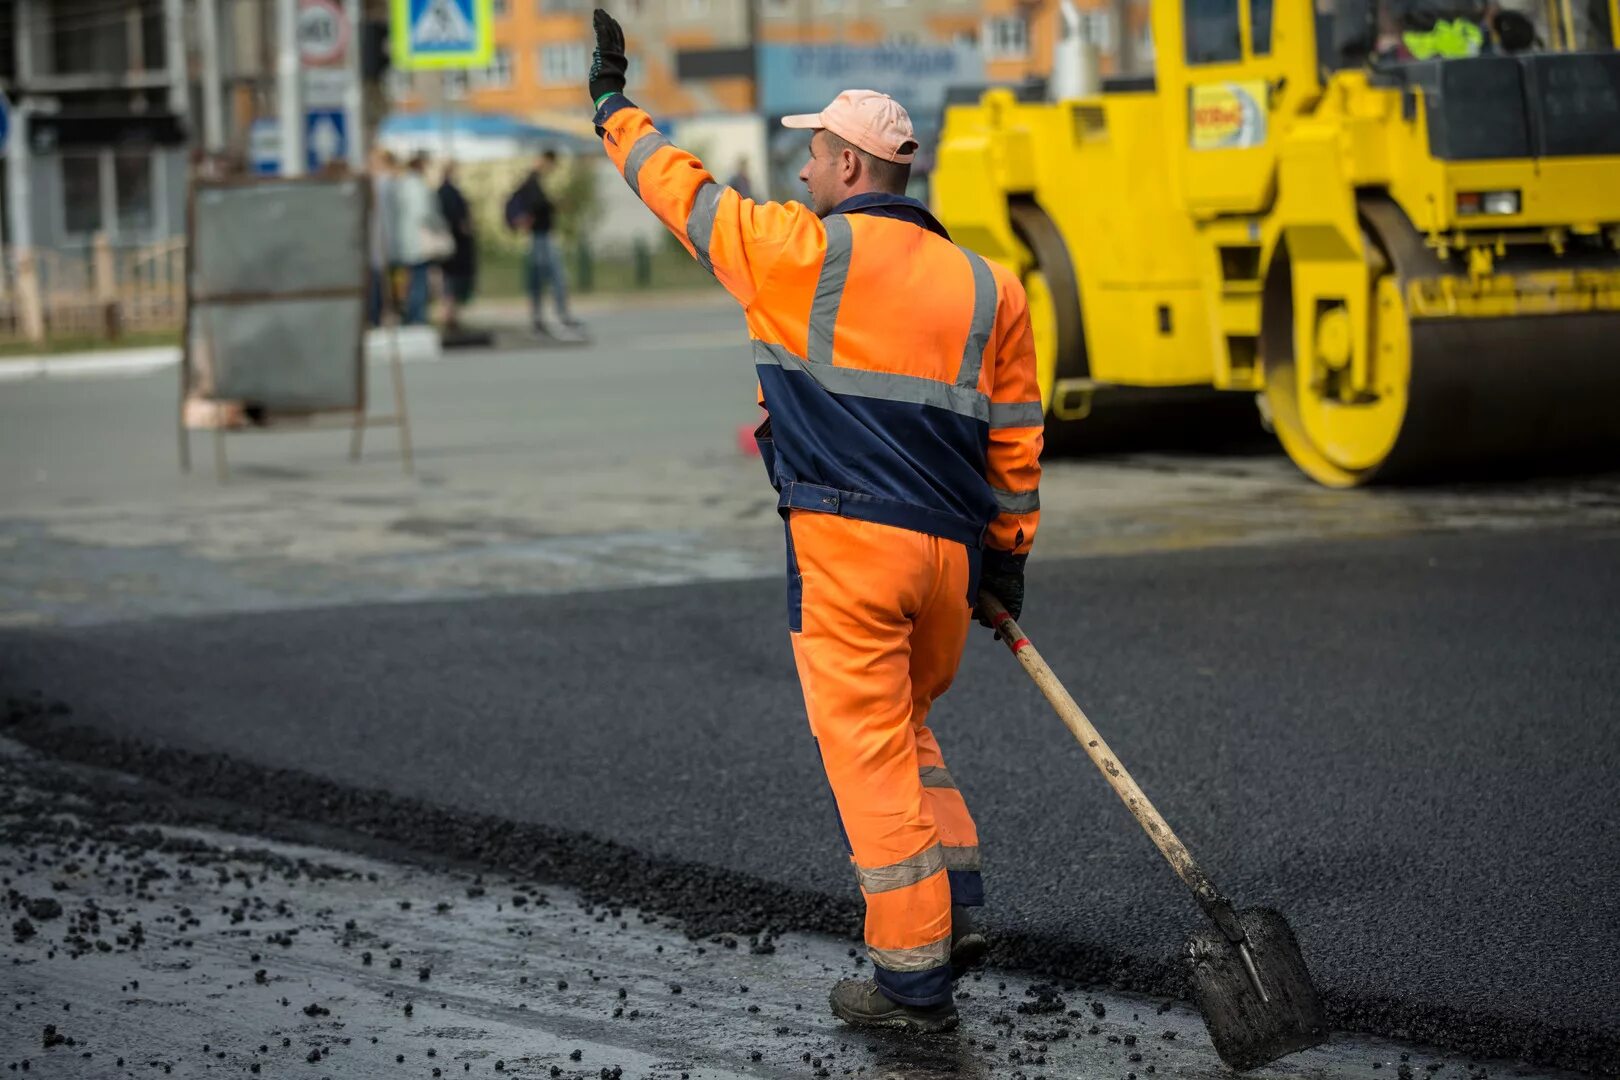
x,y
1528,390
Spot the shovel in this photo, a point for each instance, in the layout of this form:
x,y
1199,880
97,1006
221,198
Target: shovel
x,y
1248,977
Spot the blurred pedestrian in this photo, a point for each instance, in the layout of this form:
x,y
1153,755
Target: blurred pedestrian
x,y
461,268
531,208
380,240
739,179
420,236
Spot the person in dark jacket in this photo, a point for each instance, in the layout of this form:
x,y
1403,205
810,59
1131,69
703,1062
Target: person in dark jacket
x,y
536,213
461,268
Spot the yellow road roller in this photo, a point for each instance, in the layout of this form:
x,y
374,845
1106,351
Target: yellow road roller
x,y
1395,222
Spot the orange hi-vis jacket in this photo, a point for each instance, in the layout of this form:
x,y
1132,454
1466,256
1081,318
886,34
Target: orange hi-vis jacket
x,y
897,369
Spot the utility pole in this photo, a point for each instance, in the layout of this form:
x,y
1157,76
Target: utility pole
x,y
1124,39
753,48
354,92
174,53
213,106
18,169
21,225
289,92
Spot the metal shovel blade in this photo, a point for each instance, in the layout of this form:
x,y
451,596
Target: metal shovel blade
x,y
1249,1030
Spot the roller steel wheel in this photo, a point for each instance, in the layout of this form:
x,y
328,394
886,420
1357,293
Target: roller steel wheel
x,y
1054,300
1447,397
1337,438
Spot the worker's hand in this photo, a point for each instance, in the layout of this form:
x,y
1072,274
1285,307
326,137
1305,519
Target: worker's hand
x,y
1001,574
608,63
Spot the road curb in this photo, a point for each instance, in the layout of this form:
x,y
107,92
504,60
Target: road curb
x,y
417,344
110,364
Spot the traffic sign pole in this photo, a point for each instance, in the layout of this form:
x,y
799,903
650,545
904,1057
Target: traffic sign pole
x,y
289,89
213,107
17,173
354,108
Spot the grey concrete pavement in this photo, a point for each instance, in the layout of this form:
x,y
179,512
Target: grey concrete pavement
x,y
555,469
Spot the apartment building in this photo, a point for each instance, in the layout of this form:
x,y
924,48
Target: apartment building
x,y
543,49
97,129
697,57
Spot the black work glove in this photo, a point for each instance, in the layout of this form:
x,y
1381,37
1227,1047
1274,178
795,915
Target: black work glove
x,y
608,63
1001,574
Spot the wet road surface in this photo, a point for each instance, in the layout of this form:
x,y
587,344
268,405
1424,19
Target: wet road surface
x,y
1406,745
140,945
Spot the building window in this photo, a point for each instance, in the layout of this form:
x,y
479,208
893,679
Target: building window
x,y
563,63
398,85
497,7
1213,34
1006,38
965,39
132,180
497,76
1097,28
894,3
560,7
834,5
695,9
81,194
778,8
1260,27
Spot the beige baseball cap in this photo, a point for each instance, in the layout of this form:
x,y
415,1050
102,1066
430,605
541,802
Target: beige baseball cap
x,y
865,118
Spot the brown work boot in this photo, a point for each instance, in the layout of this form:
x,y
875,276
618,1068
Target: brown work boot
x,y
968,946
862,1003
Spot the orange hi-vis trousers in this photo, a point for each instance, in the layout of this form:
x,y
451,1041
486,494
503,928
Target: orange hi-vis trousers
x,y
880,616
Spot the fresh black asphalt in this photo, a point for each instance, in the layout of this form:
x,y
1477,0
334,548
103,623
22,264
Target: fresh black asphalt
x,y
1409,746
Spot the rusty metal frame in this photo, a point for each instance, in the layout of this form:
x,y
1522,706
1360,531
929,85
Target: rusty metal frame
x,y
356,418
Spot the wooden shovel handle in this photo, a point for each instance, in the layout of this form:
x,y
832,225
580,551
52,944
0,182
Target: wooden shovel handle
x,y
1135,800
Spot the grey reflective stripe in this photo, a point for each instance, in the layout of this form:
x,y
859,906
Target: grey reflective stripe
x,y
882,385
919,867
1016,414
936,776
984,320
962,858
1017,502
920,958
700,222
829,290
645,147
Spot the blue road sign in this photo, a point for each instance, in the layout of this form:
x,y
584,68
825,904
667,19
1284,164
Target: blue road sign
x,y
326,137
442,33
5,121
264,147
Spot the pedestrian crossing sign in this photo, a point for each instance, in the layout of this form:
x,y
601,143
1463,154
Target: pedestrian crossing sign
x,y
442,34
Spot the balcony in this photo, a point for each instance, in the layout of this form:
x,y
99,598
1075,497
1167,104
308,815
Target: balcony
x,y
82,45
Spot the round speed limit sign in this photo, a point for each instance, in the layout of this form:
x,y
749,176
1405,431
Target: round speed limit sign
x,y
323,32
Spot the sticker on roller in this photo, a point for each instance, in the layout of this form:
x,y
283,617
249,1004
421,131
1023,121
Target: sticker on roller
x,y
1228,116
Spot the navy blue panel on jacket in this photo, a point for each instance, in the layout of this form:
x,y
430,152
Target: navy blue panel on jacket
x,y
901,207
904,453
895,463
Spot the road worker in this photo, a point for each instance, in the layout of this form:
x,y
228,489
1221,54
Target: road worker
x,y
903,434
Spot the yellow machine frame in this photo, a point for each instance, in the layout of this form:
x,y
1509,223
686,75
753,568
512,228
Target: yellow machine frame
x,y
1232,205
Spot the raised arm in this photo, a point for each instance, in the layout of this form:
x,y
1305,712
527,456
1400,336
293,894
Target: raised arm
x,y
735,239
